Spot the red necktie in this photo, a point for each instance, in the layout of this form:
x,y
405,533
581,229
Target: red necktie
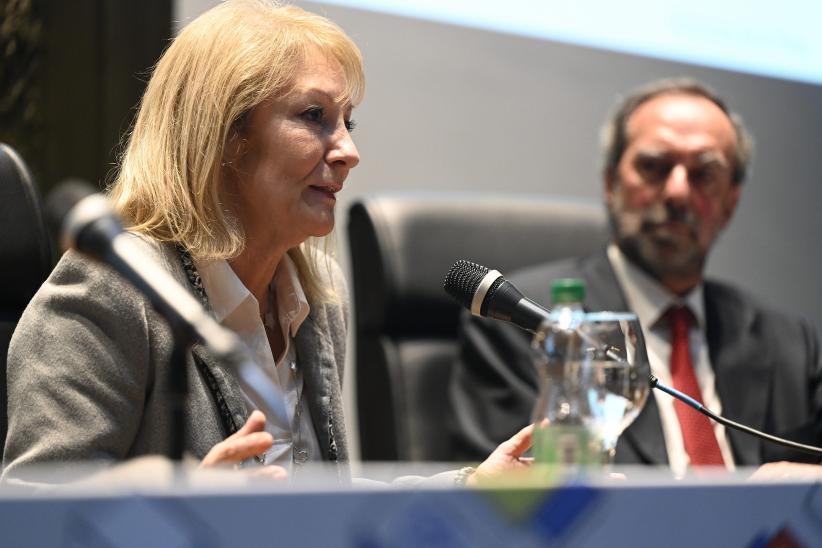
x,y
697,430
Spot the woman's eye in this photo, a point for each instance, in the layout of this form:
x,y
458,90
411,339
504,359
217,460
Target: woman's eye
x,y
313,114
350,125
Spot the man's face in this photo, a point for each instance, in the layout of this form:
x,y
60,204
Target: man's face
x,y
672,192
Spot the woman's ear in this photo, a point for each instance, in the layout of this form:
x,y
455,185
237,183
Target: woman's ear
x,y
235,143
233,149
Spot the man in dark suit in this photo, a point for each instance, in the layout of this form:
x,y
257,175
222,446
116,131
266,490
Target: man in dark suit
x,y
675,163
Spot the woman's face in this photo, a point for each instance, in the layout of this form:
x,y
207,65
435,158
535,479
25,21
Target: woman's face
x,y
286,165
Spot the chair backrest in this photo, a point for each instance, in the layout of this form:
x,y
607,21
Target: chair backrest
x,y
401,247
25,254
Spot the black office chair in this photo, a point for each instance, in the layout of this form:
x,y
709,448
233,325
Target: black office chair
x,y
25,254
401,247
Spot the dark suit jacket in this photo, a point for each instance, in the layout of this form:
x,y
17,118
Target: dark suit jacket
x,y
767,368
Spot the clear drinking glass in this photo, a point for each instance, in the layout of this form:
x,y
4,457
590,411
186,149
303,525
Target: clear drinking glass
x,y
594,374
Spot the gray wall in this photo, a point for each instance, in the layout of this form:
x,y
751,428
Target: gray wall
x,y
461,109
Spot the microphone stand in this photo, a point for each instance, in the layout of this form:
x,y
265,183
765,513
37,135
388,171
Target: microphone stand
x,y
178,386
190,324
89,224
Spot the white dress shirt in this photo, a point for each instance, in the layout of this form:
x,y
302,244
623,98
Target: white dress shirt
x,y
236,308
649,300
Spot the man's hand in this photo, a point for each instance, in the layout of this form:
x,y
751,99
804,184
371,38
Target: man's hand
x,y
248,441
775,471
506,457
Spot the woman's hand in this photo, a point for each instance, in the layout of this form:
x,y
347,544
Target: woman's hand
x,y
248,441
506,457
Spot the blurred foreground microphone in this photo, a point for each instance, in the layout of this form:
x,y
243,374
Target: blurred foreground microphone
x,y
487,293
82,218
85,220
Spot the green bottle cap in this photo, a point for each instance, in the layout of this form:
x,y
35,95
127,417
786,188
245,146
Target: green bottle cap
x,y
568,290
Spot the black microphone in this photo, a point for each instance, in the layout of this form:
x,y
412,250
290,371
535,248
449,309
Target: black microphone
x,y
487,293
86,221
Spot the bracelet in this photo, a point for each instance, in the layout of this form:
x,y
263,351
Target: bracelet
x,y
463,474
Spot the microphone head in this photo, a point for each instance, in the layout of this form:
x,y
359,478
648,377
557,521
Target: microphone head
x,y
71,207
488,294
463,280
473,285
62,199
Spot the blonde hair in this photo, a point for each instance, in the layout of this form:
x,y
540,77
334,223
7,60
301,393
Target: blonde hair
x,y
221,66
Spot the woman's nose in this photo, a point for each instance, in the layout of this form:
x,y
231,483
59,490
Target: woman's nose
x,y
343,151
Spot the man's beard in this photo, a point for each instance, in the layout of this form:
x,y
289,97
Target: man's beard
x,y
643,240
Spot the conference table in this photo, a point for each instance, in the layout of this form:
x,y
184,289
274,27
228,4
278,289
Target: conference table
x,y
154,503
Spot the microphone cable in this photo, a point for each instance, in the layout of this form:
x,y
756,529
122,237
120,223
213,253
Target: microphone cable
x,y
684,398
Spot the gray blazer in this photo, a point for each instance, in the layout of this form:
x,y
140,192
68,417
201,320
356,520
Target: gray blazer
x,y
767,367
88,373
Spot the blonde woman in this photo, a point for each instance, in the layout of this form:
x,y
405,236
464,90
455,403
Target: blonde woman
x,y
241,143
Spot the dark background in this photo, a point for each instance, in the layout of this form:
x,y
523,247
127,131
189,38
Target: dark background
x,y
71,76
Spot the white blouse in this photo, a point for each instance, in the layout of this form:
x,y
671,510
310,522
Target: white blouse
x,y
236,308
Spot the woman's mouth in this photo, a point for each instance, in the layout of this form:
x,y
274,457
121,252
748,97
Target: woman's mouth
x,y
328,191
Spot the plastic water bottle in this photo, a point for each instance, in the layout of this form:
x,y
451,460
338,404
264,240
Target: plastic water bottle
x,y
561,436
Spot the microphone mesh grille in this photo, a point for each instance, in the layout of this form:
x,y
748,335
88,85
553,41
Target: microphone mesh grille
x,y
463,279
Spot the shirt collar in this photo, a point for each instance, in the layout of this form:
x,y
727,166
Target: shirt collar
x,y
226,292
293,305
224,289
646,296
